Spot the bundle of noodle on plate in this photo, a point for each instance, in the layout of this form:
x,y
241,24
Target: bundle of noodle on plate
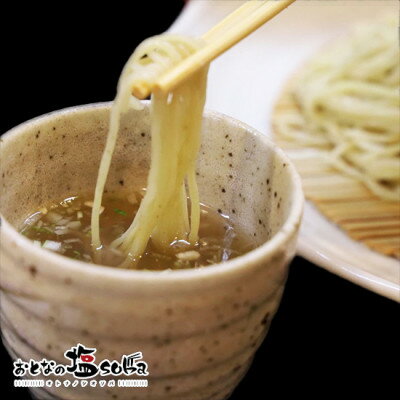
x,y
343,107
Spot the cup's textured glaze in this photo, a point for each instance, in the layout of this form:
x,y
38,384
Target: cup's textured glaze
x,y
198,329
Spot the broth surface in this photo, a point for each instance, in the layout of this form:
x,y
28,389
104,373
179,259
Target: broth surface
x,y
65,228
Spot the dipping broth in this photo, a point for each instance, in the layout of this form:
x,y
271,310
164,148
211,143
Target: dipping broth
x,y
65,228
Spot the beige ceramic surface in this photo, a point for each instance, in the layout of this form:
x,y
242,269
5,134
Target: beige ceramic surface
x,y
198,329
270,56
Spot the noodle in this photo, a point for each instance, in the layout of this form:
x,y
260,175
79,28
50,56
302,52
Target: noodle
x,y
175,130
349,98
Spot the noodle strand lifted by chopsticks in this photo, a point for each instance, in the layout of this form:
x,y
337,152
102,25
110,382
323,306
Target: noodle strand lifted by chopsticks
x,y
175,133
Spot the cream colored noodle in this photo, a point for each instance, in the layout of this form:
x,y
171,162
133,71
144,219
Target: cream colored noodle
x,y
349,97
176,117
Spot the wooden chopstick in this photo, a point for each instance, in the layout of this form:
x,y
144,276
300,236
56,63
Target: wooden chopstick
x,y
235,27
233,18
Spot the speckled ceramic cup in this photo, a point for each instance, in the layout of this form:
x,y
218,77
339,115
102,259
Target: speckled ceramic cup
x,y
198,329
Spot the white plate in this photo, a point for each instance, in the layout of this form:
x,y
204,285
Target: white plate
x,y
245,82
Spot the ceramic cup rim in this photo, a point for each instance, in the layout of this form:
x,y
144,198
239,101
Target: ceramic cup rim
x,y
267,249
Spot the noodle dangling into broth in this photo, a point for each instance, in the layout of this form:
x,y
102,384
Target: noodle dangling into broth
x,y
163,216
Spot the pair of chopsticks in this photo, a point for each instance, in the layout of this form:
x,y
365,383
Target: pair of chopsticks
x,y
235,27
